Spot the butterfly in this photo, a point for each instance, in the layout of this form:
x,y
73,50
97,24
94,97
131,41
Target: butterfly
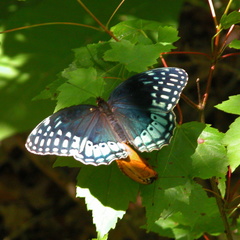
x,y
137,168
138,112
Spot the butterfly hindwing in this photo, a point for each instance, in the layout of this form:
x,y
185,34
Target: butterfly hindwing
x,y
80,131
146,130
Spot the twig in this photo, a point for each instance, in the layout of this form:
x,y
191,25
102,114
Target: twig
x,y
97,21
114,12
220,204
50,23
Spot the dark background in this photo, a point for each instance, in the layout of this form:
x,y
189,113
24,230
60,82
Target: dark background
x,y
37,201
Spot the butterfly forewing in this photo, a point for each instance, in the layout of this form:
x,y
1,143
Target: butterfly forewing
x,y
80,131
158,89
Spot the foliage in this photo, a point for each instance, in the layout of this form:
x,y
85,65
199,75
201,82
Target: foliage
x,y
178,205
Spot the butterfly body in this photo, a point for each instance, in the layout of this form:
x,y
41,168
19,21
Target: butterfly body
x,y
139,112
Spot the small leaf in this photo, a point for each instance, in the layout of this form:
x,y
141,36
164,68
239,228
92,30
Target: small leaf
x,y
135,58
137,31
235,44
167,35
104,217
210,157
231,105
228,20
232,140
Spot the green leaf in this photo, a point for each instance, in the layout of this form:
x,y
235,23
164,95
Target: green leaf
x,y
104,217
194,151
82,84
187,214
51,90
91,55
210,157
67,162
174,167
167,35
228,20
105,237
235,44
231,105
145,32
137,31
232,141
135,58
108,185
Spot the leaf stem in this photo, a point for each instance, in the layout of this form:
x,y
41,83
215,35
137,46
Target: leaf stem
x,y
114,12
97,20
220,204
50,23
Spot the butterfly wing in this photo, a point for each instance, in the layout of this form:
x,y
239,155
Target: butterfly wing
x,y
143,106
80,131
146,130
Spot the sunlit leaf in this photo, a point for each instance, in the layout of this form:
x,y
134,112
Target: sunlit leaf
x,y
232,141
104,217
231,105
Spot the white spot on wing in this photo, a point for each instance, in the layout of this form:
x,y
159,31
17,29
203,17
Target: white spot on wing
x,y
48,142
65,143
68,134
58,123
76,142
36,140
59,132
56,141
42,142
46,121
166,89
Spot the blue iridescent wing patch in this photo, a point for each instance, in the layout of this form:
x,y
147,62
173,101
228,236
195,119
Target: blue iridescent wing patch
x,y
139,112
80,131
